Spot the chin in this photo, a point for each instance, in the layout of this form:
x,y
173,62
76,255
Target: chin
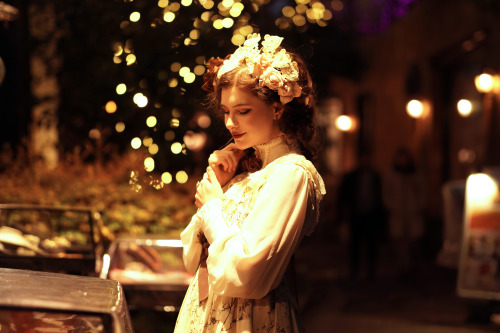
x,y
241,145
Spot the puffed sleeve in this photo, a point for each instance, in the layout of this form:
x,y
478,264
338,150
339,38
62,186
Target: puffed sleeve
x,y
249,261
191,244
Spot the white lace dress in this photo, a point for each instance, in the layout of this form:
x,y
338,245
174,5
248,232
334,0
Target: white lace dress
x,y
253,232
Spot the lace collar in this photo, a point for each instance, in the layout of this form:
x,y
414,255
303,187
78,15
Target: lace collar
x,y
273,149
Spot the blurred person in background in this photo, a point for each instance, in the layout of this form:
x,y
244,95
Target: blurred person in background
x,y
403,196
361,206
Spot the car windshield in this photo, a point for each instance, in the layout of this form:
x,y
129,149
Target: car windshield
x,y
36,232
156,262
21,321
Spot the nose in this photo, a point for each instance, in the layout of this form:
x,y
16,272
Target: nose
x,y
230,123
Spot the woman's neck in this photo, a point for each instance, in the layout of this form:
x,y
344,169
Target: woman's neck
x,y
271,150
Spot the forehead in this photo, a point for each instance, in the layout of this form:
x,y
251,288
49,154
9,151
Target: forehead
x,y
233,95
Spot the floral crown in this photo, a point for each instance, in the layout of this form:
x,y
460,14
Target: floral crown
x,y
274,67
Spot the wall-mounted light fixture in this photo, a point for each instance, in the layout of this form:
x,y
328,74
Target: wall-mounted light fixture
x,y
465,107
487,83
345,123
417,108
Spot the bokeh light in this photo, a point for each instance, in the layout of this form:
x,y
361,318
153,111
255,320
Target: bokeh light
x,y
149,164
140,100
135,17
153,149
181,177
166,177
415,108
110,107
120,127
136,143
464,107
176,147
121,88
344,123
147,141
151,121
168,17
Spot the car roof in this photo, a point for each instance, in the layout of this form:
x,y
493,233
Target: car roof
x,y
54,291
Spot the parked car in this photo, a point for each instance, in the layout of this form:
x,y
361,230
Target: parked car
x,y
34,301
52,239
150,269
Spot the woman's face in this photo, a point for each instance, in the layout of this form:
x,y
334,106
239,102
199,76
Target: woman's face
x,y
248,118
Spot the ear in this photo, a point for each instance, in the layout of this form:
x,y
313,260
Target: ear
x,y
278,109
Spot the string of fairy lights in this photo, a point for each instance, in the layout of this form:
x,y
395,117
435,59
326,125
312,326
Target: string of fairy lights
x,y
199,18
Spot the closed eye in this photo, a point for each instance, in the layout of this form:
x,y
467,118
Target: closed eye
x,y
245,111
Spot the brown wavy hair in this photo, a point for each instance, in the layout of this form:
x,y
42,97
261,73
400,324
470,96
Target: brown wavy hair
x,y
299,119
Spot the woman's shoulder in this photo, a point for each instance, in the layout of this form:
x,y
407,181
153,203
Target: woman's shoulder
x,y
303,165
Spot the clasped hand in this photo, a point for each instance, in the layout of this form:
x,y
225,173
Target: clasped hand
x,y
222,166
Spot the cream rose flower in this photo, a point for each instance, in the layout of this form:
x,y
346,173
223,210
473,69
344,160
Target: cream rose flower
x,y
271,78
288,91
260,65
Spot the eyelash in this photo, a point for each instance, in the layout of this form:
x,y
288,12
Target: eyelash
x,y
241,112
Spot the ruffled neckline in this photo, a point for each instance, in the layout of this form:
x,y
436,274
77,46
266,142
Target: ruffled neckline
x,y
273,149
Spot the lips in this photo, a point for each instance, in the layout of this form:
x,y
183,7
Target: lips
x,y
237,135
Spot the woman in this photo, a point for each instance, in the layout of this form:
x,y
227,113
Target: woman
x,y
258,198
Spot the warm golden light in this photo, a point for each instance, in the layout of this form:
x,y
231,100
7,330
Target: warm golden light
x,y
168,17
481,190
238,39
166,177
199,70
189,78
184,71
172,83
484,83
120,127
174,123
130,59
162,3
121,88
110,107
136,143
464,107
153,149
227,22
415,108
344,123
218,24
181,177
147,141
149,164
140,100
176,147
151,121
135,16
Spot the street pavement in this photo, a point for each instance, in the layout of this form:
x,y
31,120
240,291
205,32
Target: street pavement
x,y
425,302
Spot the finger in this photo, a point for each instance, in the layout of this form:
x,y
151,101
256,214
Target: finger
x,y
216,160
197,201
230,146
211,175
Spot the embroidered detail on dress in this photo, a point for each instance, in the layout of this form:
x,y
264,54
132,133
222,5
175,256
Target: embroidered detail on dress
x,y
240,194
